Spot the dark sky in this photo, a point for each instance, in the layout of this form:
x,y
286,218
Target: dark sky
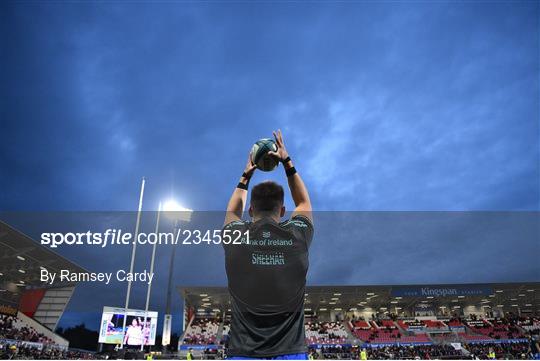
x,y
385,106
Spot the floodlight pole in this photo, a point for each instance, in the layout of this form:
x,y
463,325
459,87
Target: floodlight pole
x,y
151,272
179,214
133,250
167,322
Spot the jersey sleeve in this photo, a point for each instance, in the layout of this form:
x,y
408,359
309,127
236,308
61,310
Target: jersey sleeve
x,y
302,226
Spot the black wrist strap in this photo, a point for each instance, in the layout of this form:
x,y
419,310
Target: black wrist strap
x,y
286,160
244,175
290,172
242,186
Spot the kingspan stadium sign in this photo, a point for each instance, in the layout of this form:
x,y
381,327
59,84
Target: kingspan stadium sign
x,y
428,291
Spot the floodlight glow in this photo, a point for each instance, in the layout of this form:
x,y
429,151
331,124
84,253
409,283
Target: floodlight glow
x,y
172,206
178,211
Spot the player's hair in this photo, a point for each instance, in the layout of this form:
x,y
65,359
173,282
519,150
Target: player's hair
x,y
267,197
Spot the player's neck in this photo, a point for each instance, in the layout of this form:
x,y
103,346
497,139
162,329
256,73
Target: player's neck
x,y
275,217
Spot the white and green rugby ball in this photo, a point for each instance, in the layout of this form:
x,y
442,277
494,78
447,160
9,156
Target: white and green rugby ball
x,y
260,157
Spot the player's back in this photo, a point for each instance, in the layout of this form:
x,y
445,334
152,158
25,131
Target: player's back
x,y
267,278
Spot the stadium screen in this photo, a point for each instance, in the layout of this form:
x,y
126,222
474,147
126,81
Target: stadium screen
x,y
137,331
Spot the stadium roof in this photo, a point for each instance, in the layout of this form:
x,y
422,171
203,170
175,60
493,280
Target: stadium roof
x,y
506,296
21,261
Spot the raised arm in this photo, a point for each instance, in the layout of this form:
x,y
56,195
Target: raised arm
x,y
298,189
237,203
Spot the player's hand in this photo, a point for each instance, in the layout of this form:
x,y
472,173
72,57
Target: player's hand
x,y
281,153
250,167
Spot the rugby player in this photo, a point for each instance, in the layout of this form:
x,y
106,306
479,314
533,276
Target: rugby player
x,y
267,271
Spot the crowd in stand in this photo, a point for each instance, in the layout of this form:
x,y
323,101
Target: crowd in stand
x,y
508,351
20,341
10,329
414,352
21,351
325,332
202,331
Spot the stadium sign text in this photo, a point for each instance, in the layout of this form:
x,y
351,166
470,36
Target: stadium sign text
x,y
441,291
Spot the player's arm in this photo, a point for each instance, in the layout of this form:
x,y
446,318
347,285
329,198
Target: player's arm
x,y
298,189
237,203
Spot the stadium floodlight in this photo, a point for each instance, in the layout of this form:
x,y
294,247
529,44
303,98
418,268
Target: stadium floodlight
x,y
528,305
21,258
22,271
176,211
203,295
499,291
460,296
337,294
1,274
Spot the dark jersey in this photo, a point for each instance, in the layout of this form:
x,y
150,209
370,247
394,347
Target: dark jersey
x,y
267,280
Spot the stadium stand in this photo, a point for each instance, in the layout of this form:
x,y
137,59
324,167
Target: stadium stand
x,y
508,351
13,328
325,333
202,331
340,331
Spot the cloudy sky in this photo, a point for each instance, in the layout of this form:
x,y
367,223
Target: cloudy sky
x,y
385,106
